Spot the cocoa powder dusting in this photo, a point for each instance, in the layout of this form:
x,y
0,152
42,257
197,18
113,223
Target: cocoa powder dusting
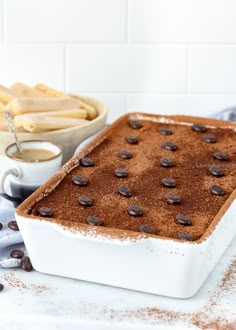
x,y
209,317
192,160
11,280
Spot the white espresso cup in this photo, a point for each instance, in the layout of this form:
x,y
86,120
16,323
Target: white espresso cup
x,y
29,169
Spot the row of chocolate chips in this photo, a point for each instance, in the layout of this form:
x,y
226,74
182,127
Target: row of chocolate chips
x,y
84,200
171,183
209,138
135,210
219,155
214,170
47,212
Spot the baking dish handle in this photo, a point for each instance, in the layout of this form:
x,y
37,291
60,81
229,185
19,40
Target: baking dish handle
x,y
92,236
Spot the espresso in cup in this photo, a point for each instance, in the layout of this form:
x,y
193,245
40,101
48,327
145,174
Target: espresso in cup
x,y
29,168
33,154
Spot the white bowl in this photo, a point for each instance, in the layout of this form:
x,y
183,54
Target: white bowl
x,y
68,138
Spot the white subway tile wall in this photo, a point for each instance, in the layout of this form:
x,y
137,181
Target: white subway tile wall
x,y
162,56
65,21
212,69
184,21
126,68
32,63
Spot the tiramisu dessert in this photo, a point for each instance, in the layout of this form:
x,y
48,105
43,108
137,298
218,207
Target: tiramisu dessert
x,y
148,174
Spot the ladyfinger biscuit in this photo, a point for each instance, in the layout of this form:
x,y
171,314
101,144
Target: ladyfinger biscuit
x,y
92,113
6,95
38,124
74,113
27,91
31,104
51,92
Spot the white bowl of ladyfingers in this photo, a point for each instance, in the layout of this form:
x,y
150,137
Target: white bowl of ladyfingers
x,y
43,113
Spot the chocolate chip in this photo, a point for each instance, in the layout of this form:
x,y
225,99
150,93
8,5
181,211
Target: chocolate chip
x,y
94,221
121,173
135,211
220,155
165,131
124,191
166,162
132,139
1,287
147,229
26,264
136,124
183,220
85,201
169,146
173,199
45,211
168,182
209,138
125,154
13,225
80,180
217,190
86,162
185,236
199,128
1,225
18,254
216,171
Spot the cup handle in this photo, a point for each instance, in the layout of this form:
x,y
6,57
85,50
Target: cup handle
x,y
17,173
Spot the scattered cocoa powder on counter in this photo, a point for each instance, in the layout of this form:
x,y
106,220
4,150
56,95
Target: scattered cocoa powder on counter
x,y
228,283
207,318
150,314
201,320
10,279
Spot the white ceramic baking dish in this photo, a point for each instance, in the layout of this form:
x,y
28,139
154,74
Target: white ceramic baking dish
x,y
140,262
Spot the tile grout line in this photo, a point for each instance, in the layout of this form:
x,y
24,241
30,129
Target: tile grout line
x,y
121,43
157,93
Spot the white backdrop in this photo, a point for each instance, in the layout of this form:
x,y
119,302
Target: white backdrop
x,y
163,56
